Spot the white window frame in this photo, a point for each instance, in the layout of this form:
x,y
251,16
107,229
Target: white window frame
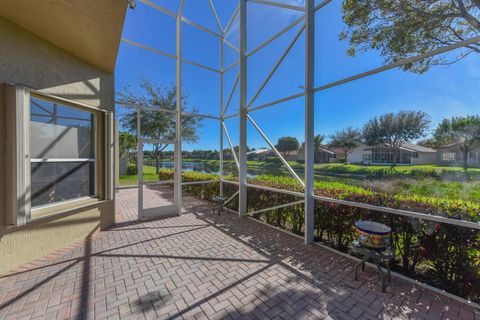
x,y
473,159
450,159
18,146
64,160
21,211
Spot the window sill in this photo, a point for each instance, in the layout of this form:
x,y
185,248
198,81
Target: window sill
x,y
66,208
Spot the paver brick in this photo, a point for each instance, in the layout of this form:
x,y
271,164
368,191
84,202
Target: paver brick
x,y
204,266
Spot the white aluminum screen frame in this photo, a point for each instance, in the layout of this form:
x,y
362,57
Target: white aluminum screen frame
x,y
247,107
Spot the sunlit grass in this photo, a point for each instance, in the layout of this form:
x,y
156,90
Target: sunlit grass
x,y
406,186
149,175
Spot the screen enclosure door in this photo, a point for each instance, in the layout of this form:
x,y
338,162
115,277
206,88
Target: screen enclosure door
x,y
156,183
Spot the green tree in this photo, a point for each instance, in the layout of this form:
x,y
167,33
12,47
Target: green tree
x,y
128,145
400,29
429,143
394,129
464,131
156,124
285,145
346,140
317,142
317,146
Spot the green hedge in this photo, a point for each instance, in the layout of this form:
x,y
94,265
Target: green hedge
x,y
420,171
132,169
203,191
442,255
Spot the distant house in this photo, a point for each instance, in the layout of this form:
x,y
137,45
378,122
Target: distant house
x,y
451,155
259,154
322,155
292,155
410,154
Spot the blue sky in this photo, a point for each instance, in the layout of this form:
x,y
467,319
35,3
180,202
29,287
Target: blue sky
x,y
441,92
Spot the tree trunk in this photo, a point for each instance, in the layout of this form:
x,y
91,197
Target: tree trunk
x,y
465,159
395,156
157,162
346,156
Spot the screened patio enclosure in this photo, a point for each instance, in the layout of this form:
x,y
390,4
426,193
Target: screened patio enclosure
x,y
254,68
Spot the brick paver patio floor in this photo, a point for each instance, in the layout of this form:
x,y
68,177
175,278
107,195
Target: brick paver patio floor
x,y
201,266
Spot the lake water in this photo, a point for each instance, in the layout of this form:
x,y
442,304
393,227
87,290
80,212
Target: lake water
x,y
228,168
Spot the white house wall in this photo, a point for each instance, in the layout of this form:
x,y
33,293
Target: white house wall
x,y
356,156
425,158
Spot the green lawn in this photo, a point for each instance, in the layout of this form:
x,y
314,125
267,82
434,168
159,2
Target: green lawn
x,y
361,169
148,176
343,168
404,182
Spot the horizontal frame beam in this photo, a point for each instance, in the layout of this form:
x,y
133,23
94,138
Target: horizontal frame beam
x,y
136,106
154,183
199,182
168,55
156,141
406,213
230,181
400,63
231,116
400,212
279,5
142,46
45,160
272,103
202,28
159,8
292,193
371,72
277,207
193,63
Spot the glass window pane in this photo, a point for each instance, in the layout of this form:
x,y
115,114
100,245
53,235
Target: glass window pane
x,y
59,131
59,181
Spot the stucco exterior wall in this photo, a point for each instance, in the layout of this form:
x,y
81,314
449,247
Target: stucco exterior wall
x,y
2,158
356,156
27,60
425,158
458,156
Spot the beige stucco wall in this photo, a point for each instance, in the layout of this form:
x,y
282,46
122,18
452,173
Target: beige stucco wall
x,y
2,159
41,238
28,60
425,158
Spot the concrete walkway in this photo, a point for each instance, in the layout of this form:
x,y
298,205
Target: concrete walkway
x,y
201,266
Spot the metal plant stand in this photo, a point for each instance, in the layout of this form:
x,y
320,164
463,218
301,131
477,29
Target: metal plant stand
x,y
219,203
376,257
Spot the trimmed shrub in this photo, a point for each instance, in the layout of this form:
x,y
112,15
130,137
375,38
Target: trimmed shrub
x,y
132,169
275,160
